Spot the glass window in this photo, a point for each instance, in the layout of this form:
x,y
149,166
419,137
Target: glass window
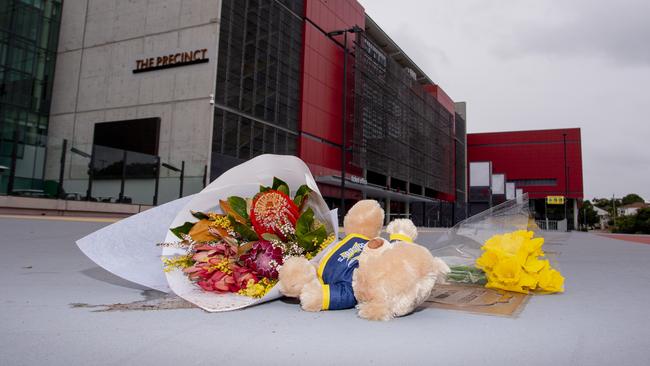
x,y
245,138
231,126
28,43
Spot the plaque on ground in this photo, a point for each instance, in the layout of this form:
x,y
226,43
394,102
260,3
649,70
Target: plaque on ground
x,y
476,299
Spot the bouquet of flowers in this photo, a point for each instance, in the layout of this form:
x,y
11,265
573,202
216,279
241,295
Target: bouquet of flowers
x,y
222,246
498,248
239,249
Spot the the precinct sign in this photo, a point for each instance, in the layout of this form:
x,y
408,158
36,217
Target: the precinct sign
x,y
171,60
555,200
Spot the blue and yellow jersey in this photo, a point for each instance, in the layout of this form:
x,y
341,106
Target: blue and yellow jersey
x,y
335,272
336,268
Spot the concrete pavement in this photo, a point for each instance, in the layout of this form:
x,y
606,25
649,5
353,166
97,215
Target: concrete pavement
x,y
602,319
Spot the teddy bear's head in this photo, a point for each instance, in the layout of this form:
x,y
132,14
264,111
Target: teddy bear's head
x,y
366,217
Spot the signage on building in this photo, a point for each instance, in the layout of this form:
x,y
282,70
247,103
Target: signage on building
x,y
356,179
171,60
555,200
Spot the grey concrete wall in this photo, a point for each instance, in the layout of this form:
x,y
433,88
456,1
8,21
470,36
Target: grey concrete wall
x,y
100,41
461,108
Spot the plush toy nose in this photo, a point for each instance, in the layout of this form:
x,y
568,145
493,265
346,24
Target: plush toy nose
x,y
375,243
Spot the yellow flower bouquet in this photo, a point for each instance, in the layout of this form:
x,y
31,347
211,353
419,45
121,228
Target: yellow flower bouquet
x,y
497,248
515,262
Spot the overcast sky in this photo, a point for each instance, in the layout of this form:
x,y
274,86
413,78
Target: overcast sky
x,y
542,64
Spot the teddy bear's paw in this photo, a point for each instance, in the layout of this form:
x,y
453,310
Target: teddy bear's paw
x,y
375,311
294,274
311,297
440,271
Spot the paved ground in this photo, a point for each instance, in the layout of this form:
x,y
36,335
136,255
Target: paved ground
x,y
47,286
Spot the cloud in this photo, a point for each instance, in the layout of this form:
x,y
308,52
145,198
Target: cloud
x,y
616,31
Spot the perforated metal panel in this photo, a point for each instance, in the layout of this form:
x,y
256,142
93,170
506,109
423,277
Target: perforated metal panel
x,y
400,129
257,95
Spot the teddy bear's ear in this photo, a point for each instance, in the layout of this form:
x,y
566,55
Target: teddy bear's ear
x,y
401,228
366,217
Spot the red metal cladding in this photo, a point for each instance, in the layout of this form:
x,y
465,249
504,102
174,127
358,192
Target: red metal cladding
x,y
446,101
533,156
322,79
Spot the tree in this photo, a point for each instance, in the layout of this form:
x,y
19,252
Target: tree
x,y
643,221
632,198
625,224
608,204
603,203
632,224
587,211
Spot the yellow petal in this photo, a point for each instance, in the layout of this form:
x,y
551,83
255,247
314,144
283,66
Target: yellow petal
x,y
487,260
508,271
528,280
551,280
501,286
533,264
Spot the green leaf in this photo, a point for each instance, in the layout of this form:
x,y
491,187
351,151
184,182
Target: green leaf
x,y
245,231
264,189
284,189
280,185
308,238
183,229
302,193
200,215
270,237
313,238
304,223
277,182
238,205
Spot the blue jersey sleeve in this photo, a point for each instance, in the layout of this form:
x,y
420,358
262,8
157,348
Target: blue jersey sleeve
x,y
341,296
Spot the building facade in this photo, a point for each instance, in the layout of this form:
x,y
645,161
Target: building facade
x,y
143,86
541,163
29,32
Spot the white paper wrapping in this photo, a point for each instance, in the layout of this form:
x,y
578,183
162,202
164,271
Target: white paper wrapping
x,y
128,248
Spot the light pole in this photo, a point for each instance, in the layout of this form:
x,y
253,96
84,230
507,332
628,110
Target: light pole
x,y
344,32
566,184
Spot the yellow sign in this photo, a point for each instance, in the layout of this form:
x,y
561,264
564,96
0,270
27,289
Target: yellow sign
x,y
555,200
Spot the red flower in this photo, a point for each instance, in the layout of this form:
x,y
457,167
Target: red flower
x,y
274,212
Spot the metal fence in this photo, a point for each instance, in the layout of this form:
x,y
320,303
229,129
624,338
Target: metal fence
x,y
34,165
552,225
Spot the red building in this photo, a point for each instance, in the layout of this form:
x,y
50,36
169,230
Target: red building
x,y
541,163
280,89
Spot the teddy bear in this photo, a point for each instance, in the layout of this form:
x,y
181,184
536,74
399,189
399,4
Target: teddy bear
x,y
383,279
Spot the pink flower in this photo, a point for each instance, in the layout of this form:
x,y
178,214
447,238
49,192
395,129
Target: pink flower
x,y
263,259
215,269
